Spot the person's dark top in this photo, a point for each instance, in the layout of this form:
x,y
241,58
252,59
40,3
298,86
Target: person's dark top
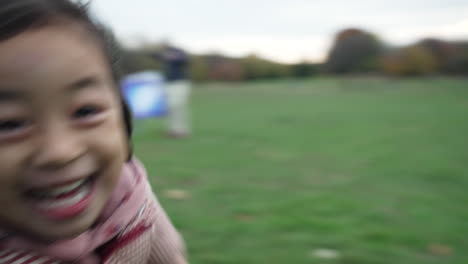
x,y
175,64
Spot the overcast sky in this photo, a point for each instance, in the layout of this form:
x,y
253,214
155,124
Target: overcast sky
x,y
282,30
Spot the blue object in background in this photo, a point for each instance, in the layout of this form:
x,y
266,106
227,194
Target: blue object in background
x,y
145,94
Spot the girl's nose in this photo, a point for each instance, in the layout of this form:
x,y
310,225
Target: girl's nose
x,y
58,146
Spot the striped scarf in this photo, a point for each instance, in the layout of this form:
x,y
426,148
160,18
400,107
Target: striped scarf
x,y
126,202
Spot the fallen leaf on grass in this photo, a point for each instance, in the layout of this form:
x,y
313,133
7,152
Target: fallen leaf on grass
x,y
177,194
244,217
325,253
439,249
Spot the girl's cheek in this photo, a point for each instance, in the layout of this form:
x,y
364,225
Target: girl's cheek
x,y
109,137
13,160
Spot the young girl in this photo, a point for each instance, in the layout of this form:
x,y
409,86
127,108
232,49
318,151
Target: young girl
x,y
70,190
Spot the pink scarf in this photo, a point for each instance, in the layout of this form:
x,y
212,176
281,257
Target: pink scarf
x,y
126,201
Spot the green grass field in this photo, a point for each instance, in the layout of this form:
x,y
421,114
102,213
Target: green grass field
x,y
374,169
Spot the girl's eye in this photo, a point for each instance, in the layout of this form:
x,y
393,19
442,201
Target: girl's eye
x,y
7,126
86,111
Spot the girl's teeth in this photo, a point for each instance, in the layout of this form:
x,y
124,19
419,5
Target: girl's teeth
x,y
65,188
50,204
53,192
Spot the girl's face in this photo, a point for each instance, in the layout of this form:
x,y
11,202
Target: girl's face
x,y
62,139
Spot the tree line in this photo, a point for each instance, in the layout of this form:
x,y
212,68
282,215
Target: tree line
x,y
354,51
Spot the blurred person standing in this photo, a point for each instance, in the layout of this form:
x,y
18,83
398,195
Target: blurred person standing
x,y
175,63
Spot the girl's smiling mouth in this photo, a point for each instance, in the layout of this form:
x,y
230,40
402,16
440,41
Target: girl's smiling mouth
x,y
61,202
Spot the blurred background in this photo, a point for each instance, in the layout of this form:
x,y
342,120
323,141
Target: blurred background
x,y
323,131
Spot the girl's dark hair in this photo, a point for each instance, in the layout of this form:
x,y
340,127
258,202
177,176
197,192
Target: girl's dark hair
x,y
17,16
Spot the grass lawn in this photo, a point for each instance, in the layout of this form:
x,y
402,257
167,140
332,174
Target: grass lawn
x,y
374,169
